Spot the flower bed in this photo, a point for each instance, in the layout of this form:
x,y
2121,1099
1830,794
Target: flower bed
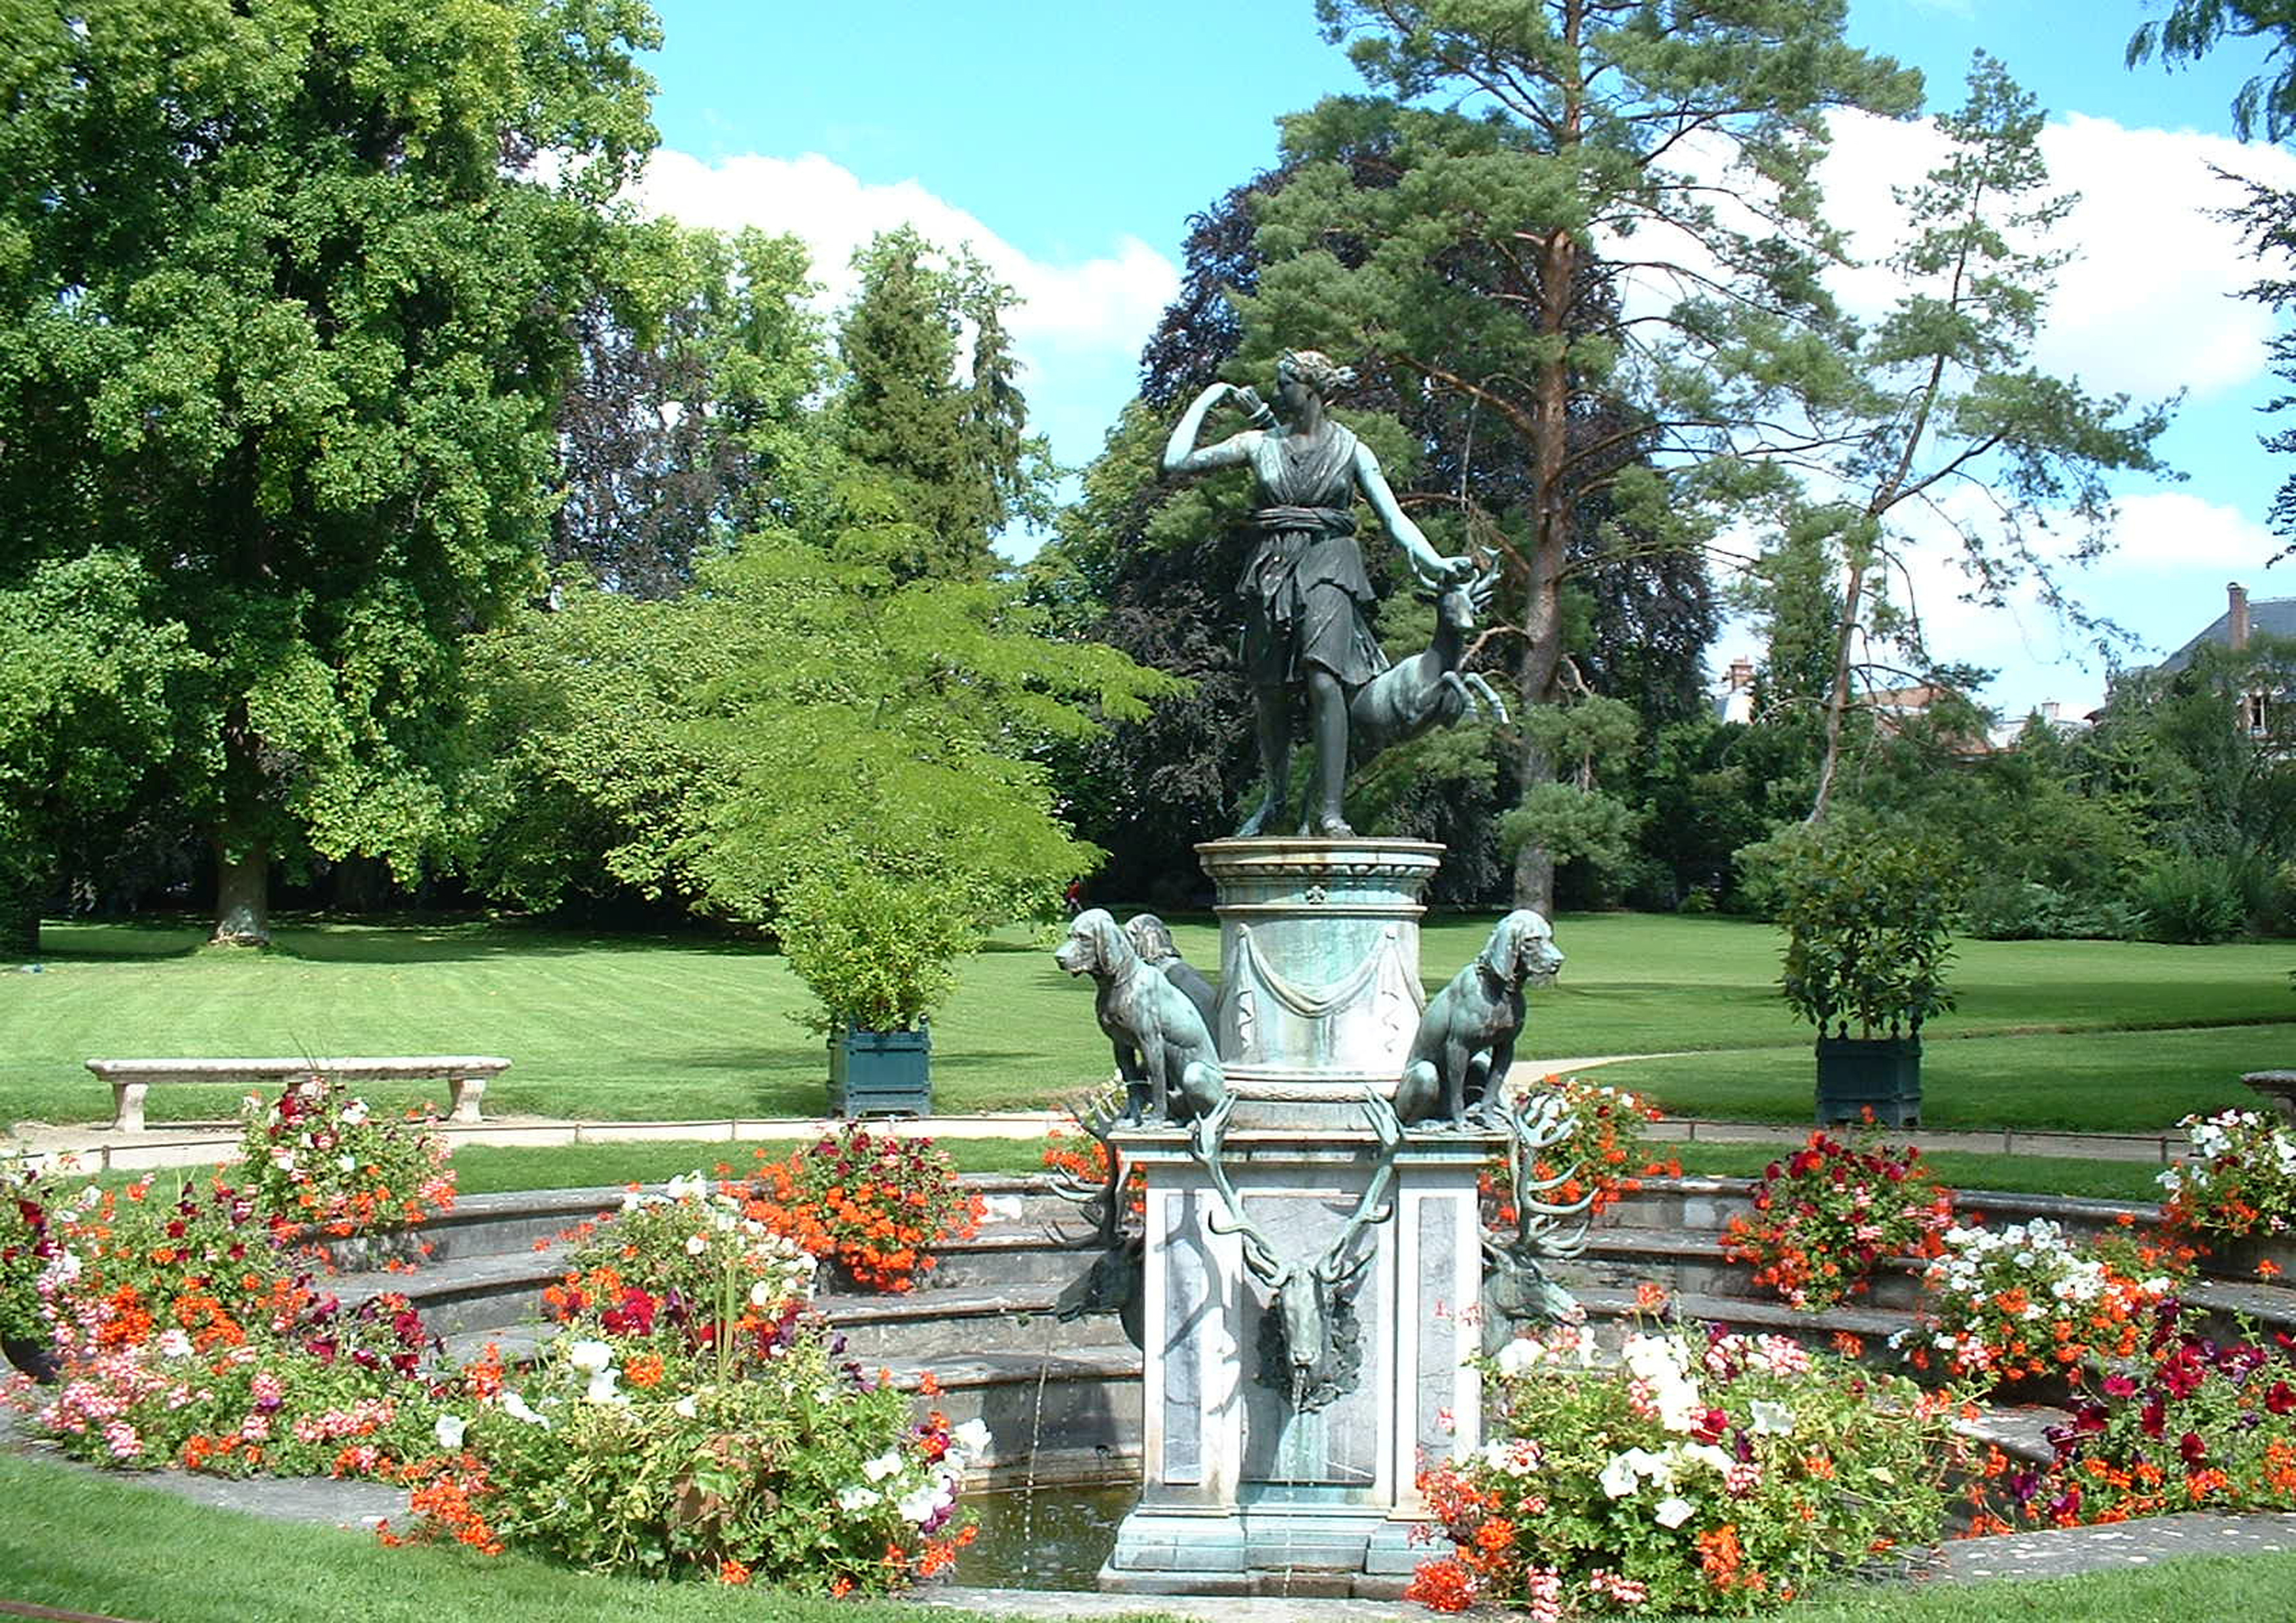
x,y
1706,1472
316,1157
872,1205
691,1418
2194,1423
1601,1160
2238,1182
2027,1302
185,1337
1826,1216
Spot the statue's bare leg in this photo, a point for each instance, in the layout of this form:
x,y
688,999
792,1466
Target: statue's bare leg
x,y
1327,719
1273,713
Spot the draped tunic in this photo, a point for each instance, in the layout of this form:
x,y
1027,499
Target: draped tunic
x,y
1307,597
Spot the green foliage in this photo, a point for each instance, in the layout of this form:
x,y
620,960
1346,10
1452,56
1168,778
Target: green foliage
x,y
874,950
99,707
2190,898
793,721
286,290
1942,396
1865,911
1572,824
2195,27
947,443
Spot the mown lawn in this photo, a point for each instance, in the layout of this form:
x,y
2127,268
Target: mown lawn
x,y
76,1541
2099,1035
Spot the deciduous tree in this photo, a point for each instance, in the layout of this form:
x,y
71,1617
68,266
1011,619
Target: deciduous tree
x,y
286,295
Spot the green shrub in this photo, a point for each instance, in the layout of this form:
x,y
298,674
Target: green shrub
x,y
1866,909
2191,899
2020,910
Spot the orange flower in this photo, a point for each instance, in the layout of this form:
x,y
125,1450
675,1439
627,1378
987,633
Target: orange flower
x,y
732,1571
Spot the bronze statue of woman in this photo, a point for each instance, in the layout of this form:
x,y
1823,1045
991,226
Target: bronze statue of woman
x,y
1307,597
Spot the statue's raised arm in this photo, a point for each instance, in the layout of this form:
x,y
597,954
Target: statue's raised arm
x,y
1307,597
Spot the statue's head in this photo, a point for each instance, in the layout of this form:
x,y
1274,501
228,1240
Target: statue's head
x,y
1152,938
1310,370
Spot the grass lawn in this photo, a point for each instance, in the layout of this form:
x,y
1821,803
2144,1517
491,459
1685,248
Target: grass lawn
x,y
72,1539
2101,1035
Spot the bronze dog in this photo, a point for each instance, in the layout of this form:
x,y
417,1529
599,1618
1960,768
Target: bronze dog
x,y
1465,1042
1144,1014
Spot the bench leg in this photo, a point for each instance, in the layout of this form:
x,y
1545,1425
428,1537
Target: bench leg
x,y
468,1092
127,1106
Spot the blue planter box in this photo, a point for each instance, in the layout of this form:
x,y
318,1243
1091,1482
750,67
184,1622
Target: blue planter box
x,y
1882,1074
881,1073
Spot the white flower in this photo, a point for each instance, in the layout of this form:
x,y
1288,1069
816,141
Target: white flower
x,y
693,1186
723,1221
1517,1456
1772,1419
1673,1512
601,1387
1620,1478
517,1408
695,1244
884,1465
761,1294
856,1498
346,1162
920,1505
175,1343
354,1113
450,1429
1518,1357
591,1355
685,1408
972,1438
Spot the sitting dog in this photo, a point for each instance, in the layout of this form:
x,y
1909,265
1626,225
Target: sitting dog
x,y
1465,1042
1147,1018
1152,938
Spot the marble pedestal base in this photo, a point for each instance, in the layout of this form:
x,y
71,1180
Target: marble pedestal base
x,y
1241,1494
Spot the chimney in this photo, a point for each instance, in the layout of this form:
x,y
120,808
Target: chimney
x,y
2049,711
1741,673
2236,615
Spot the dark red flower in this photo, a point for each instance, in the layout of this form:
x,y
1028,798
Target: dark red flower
x,y
2192,1450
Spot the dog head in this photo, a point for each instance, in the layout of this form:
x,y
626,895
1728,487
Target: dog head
x,y
1152,938
1095,945
1521,950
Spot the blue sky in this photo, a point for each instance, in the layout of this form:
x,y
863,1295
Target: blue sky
x,y
1071,144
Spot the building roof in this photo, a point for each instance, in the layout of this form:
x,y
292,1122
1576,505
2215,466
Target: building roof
x,y
2267,617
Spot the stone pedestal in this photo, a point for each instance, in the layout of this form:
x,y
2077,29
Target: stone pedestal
x,y
1319,966
1244,1492
1240,1494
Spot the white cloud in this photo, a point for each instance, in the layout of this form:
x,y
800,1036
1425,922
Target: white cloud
x,y
1105,303
2149,304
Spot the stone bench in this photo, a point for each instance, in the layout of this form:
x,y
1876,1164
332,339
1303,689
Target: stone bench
x,y
129,1078
2277,1086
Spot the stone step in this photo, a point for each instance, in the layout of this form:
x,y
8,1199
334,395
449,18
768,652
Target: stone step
x,y
478,1226
918,1325
1076,1412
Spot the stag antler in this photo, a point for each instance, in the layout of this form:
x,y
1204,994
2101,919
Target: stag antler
x,y
1531,1126
1333,1267
1097,1114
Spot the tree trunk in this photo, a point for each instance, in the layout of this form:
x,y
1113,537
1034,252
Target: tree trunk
x,y
1551,514
1837,699
22,887
242,893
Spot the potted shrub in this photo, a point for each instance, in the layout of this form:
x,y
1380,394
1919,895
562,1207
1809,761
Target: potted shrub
x,y
876,952
1867,912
